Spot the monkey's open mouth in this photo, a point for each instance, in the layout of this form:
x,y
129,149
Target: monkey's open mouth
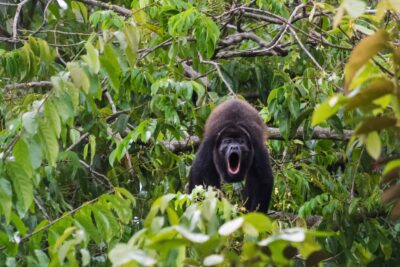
x,y
233,163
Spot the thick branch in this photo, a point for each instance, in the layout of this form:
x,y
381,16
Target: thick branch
x,y
119,9
273,134
252,53
28,85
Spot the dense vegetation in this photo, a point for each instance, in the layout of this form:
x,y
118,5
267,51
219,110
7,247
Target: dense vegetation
x,y
103,103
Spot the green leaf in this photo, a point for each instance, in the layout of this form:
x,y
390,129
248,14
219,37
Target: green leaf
x,y
193,237
84,218
172,217
19,224
49,142
122,254
5,199
92,143
182,22
35,152
80,9
51,114
213,260
207,35
92,57
103,225
328,108
363,52
391,165
291,235
355,8
85,256
231,226
125,194
132,37
373,144
22,184
22,156
261,222
112,73
79,76
29,121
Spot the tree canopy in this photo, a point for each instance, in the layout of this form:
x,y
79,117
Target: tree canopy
x,y
103,104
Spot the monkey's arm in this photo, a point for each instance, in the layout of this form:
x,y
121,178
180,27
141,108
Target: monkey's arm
x,y
203,171
260,181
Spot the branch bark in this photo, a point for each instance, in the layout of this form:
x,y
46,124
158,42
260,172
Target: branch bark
x,y
119,9
28,85
273,134
16,18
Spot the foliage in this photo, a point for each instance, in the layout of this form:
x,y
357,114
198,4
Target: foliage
x,y
200,229
100,103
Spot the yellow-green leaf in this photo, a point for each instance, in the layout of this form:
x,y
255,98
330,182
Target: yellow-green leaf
x,y
328,108
375,124
391,165
364,51
49,142
373,91
92,143
92,57
354,8
78,76
22,156
22,184
132,37
5,199
52,117
373,144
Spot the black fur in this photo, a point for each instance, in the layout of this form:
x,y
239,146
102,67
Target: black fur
x,y
238,120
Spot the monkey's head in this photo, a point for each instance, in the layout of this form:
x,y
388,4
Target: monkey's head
x,y
233,153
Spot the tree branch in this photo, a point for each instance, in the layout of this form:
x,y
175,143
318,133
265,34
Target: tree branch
x,y
16,18
70,213
252,53
215,64
119,9
28,85
272,133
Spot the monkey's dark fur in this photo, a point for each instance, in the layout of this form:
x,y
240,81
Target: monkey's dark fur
x,y
233,149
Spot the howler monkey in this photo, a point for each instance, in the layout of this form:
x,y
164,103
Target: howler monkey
x,y
233,149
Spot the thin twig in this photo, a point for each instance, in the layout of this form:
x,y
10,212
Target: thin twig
x,y
97,174
117,135
83,137
111,101
44,22
27,237
42,209
353,182
16,18
305,49
151,49
215,64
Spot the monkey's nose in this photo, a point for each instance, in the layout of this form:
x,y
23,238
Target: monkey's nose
x,y
234,148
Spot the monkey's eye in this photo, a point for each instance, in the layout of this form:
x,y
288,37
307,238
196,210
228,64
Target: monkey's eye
x,y
227,140
240,140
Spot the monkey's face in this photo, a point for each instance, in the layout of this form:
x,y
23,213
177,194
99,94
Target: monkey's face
x,y
233,157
